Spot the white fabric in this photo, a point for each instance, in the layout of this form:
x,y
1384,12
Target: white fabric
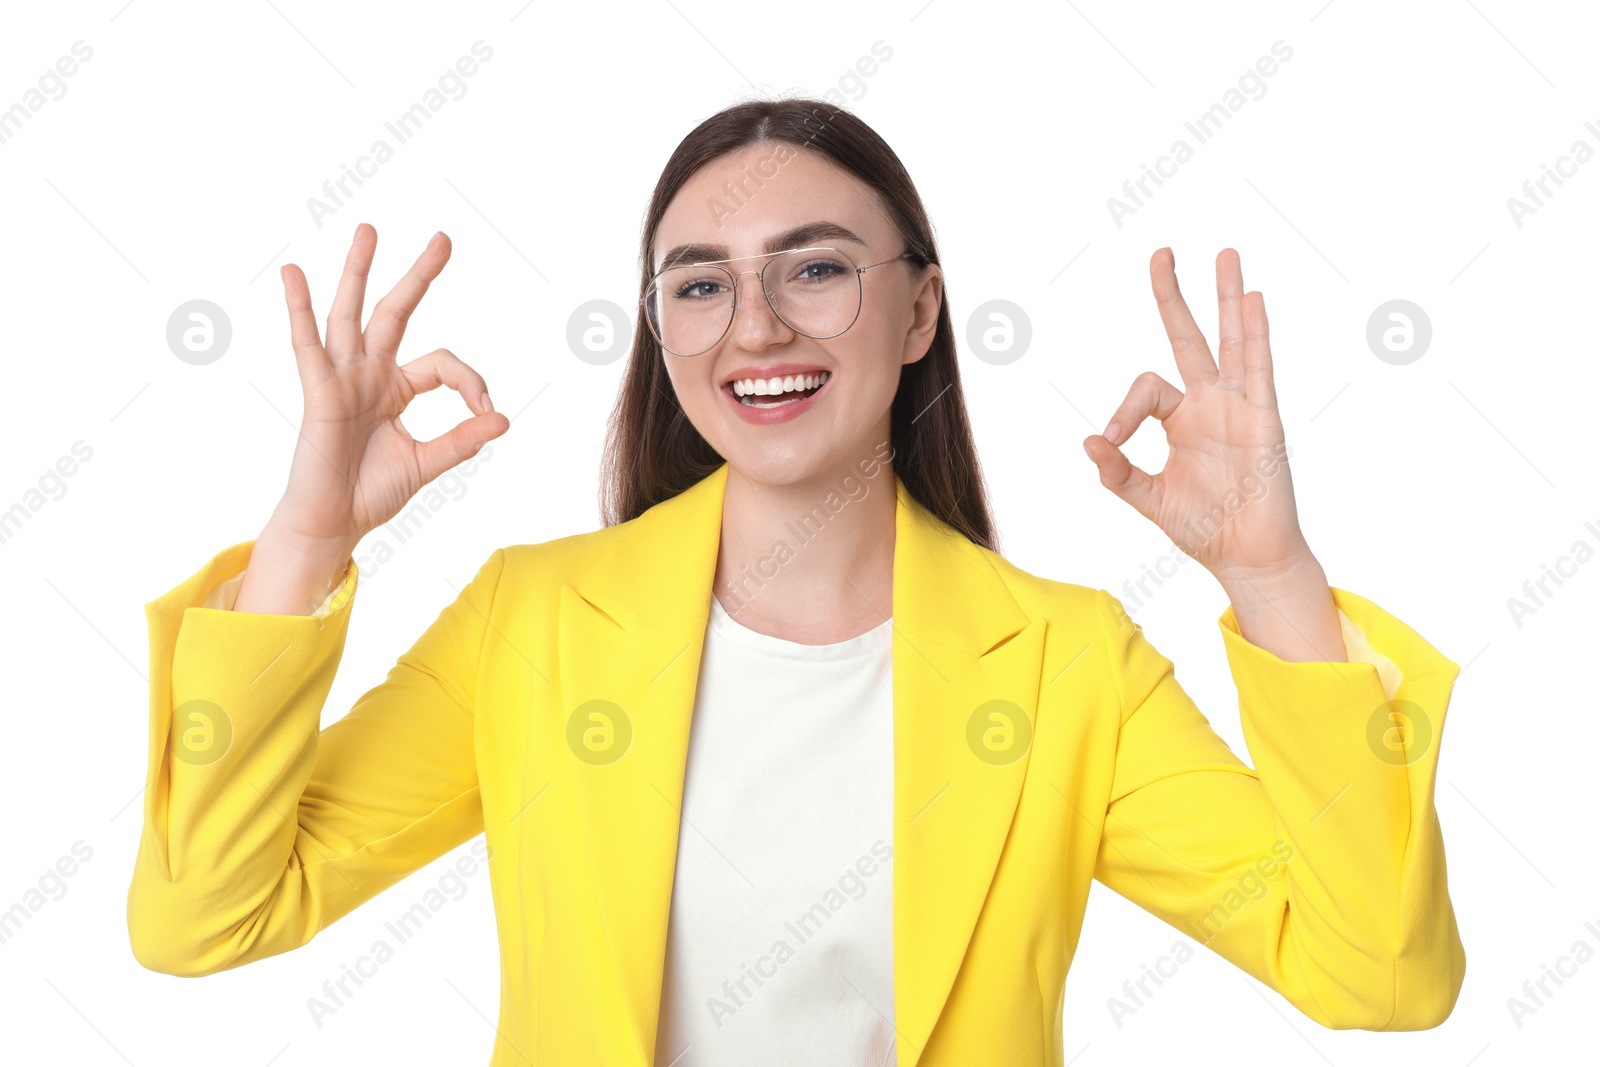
x,y
780,946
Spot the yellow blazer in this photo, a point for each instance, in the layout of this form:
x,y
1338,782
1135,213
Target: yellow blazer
x,y
1320,872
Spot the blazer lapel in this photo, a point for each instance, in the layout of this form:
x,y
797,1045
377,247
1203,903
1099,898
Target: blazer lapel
x,y
966,664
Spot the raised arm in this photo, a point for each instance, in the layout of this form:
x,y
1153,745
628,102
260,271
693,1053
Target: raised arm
x,y
1320,871
259,829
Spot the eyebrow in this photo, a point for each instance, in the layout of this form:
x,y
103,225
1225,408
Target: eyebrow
x,y
801,236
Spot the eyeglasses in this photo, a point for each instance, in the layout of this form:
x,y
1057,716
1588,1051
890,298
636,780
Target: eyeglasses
x,y
816,292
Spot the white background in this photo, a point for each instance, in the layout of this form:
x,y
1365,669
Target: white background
x,y
1376,166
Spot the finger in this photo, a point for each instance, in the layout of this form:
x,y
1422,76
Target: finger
x,y
1121,477
445,451
1230,320
444,367
1149,395
1188,343
308,353
1257,353
390,315
344,318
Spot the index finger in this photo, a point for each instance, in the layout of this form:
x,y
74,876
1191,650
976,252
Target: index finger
x,y
1230,317
344,318
390,315
308,352
1188,343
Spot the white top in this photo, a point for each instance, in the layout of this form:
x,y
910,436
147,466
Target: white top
x,y
780,945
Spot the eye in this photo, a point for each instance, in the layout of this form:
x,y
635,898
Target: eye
x,y
699,289
819,270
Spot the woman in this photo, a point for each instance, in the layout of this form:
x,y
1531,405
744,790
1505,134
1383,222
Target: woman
x,y
909,757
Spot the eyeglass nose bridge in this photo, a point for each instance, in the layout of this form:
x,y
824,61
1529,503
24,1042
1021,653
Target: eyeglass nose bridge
x,y
768,296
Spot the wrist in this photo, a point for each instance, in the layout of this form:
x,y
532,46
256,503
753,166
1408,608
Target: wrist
x,y
287,575
1290,613
314,552
1302,577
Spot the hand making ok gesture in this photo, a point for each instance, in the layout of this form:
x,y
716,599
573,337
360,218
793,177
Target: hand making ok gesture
x,y
1225,495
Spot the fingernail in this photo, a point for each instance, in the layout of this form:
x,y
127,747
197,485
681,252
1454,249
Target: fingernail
x,y
1112,431
484,400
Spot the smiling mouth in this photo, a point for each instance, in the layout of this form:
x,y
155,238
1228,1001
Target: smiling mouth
x,y
777,392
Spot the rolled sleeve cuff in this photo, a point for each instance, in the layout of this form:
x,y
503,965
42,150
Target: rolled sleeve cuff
x,y
223,596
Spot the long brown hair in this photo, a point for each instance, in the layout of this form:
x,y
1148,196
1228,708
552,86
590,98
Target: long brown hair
x,y
652,450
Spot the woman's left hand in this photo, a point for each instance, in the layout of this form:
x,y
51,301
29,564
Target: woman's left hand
x,y
1225,496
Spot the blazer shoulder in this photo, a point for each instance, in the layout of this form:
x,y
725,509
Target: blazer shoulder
x,y
1094,611
1089,634
547,565
1038,595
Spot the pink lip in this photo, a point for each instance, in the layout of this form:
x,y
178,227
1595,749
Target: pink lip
x,y
768,416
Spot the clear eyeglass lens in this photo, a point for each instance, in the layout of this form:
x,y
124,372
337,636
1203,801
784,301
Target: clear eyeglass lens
x,y
817,293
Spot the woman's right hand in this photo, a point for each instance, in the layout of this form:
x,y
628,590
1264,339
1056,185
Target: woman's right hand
x,y
355,466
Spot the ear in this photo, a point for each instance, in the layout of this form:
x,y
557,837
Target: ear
x,y
926,302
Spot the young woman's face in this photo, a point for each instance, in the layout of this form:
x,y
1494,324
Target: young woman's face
x,y
847,418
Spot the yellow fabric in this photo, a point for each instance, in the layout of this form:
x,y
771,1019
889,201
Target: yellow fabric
x,y
1320,871
1356,647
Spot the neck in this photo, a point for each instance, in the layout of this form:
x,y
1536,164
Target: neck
x,y
810,561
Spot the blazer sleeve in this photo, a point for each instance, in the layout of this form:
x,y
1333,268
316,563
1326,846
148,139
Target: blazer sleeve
x,y
259,828
1321,870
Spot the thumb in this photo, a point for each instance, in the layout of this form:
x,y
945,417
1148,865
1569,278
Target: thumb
x,y
1121,476
459,444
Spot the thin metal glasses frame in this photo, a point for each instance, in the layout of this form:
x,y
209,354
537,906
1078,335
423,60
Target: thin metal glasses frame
x,y
761,274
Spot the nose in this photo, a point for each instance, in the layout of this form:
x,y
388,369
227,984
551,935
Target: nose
x,y
755,325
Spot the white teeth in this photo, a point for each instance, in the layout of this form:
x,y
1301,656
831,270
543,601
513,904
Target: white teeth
x,y
778,386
